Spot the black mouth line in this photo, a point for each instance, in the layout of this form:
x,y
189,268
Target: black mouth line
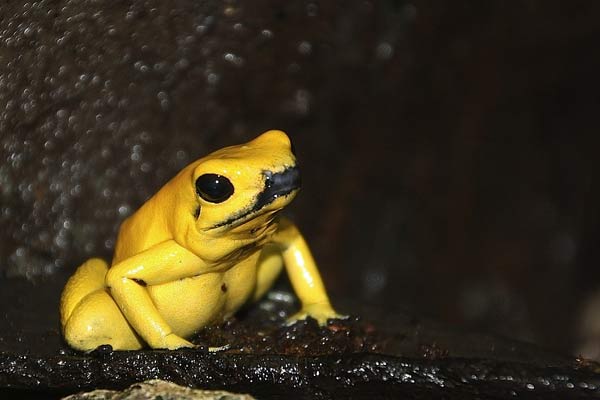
x,y
276,185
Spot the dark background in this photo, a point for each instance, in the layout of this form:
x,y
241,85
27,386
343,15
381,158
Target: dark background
x,y
448,149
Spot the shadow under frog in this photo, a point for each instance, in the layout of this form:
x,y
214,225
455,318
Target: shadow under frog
x,y
206,243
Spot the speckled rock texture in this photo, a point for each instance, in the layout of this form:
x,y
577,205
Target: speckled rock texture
x,y
157,389
448,152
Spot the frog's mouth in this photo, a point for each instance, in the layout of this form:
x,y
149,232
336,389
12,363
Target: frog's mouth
x,y
279,184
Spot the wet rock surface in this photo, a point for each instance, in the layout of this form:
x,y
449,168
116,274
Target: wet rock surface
x,y
384,355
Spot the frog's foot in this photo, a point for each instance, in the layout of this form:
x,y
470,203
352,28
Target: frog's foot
x,y
320,312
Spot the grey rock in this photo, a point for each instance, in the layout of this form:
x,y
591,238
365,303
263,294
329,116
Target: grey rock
x,y
158,389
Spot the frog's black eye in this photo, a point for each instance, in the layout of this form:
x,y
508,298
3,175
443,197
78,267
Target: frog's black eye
x,y
214,188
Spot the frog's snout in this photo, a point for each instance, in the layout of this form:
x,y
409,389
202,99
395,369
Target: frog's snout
x,y
287,180
279,184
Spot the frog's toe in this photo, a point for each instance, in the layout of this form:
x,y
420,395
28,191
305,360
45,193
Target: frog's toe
x,y
339,316
299,316
173,342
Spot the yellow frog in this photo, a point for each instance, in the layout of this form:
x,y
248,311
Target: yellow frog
x,y
208,242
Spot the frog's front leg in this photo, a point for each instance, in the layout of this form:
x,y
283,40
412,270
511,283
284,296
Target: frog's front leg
x,y
304,275
162,263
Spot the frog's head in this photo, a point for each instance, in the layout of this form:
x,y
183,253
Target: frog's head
x,y
239,189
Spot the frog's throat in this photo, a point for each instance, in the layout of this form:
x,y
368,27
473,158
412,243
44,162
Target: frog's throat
x,y
277,185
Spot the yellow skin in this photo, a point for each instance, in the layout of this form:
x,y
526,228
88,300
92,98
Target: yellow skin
x,y
186,259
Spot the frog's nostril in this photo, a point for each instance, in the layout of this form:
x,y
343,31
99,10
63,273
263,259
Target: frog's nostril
x,y
268,179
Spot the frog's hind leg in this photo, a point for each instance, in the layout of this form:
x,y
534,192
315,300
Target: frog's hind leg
x,y
88,278
89,315
96,321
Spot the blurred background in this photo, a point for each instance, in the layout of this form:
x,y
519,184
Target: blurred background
x,y
448,149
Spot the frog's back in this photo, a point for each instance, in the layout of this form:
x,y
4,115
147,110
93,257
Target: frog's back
x,y
142,230
155,221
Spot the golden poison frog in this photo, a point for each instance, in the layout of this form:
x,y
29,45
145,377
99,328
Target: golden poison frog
x,y
205,244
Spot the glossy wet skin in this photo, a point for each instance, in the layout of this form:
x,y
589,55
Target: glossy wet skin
x,y
208,242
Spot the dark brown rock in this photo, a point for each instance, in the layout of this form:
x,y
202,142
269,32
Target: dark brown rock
x,y
393,357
